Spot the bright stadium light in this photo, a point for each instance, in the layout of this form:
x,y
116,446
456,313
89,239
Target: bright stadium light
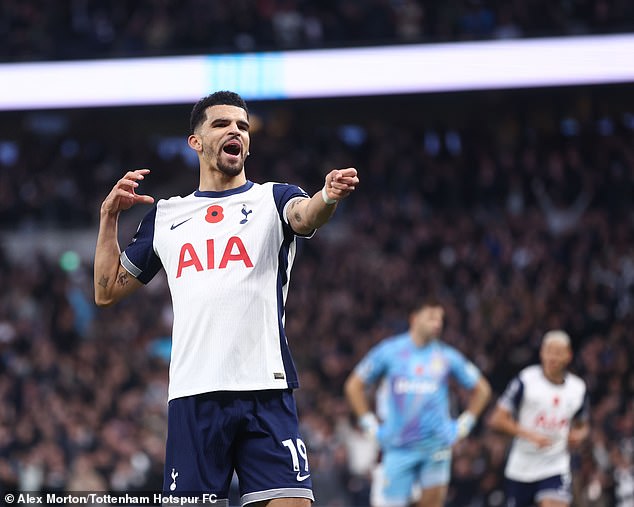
x,y
382,70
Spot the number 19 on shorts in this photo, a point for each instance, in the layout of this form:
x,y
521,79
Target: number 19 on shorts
x,y
297,450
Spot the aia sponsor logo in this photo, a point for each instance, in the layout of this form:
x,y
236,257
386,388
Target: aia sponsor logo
x,y
233,251
551,422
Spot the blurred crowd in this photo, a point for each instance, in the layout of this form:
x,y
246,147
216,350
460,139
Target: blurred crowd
x,y
515,211
33,30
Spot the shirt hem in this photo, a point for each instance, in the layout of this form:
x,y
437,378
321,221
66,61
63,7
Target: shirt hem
x,y
194,392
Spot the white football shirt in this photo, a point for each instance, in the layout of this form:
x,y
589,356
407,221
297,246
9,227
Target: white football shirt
x,y
228,257
546,408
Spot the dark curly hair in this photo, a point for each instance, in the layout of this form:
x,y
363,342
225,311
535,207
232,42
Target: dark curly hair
x,y
220,98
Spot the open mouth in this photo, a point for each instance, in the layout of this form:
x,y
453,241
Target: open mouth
x,y
232,148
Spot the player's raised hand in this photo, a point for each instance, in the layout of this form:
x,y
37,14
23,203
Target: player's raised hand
x,y
123,195
341,183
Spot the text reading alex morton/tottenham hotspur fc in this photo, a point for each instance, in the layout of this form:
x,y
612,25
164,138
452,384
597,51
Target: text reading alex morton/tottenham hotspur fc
x,y
108,499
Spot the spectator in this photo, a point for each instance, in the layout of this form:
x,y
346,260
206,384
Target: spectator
x,y
498,266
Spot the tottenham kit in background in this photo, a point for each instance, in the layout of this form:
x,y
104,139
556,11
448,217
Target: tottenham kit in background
x,y
546,408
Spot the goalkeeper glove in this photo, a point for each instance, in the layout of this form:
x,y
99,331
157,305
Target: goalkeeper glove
x,y
464,424
369,424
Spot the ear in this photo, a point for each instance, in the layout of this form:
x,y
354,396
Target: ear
x,y
194,143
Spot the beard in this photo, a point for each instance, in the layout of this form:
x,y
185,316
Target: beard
x,y
230,169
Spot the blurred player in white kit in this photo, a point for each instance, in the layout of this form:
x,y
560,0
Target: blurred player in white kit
x,y
545,408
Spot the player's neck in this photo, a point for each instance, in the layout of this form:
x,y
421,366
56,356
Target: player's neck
x,y
421,341
554,377
217,181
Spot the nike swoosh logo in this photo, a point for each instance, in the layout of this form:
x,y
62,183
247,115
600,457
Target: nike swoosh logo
x,y
174,226
301,477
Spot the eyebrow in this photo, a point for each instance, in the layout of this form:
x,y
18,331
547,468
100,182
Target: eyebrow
x,y
229,120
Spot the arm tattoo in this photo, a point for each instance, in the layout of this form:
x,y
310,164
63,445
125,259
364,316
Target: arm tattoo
x,y
122,279
104,281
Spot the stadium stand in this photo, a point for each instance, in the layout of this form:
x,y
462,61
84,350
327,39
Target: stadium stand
x,y
38,30
515,207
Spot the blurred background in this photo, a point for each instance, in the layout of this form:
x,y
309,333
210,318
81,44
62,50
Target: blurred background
x,y
513,205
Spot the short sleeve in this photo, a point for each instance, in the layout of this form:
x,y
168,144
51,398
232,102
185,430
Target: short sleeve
x,y
139,257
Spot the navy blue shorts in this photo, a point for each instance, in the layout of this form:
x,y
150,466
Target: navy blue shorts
x,y
254,433
524,494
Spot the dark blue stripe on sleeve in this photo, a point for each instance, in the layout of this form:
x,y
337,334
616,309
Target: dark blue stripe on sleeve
x,y
140,252
282,193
